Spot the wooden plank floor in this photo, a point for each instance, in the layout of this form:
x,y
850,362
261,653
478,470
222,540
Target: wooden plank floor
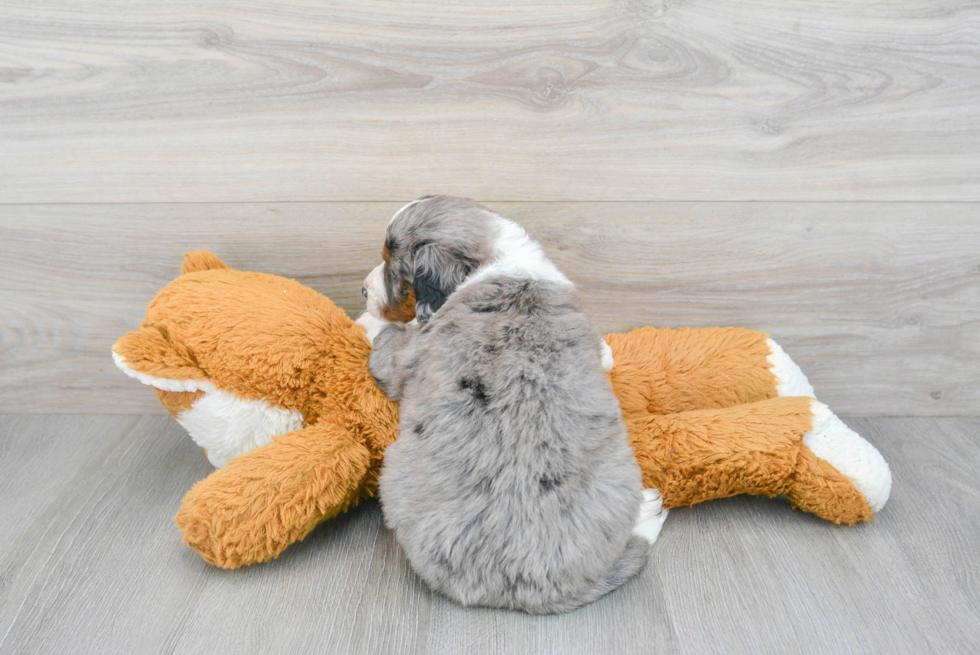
x,y
90,561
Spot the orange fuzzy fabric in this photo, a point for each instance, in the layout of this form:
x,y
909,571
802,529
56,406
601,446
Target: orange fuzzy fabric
x,y
664,371
273,496
700,406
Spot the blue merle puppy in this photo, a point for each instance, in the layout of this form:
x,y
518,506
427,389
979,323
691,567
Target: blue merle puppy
x,y
512,484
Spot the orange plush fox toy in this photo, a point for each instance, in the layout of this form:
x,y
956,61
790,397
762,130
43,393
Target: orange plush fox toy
x,y
271,379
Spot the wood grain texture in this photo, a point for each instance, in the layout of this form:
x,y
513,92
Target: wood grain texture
x,y
90,561
879,303
798,584
113,101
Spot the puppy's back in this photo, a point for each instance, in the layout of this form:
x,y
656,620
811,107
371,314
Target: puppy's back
x,y
512,483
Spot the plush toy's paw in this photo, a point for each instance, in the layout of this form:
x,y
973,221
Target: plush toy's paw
x,y
607,355
651,517
790,380
272,496
850,454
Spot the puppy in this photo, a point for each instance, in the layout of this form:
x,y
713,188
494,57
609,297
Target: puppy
x,y
512,483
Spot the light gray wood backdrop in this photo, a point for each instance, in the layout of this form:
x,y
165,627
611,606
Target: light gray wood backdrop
x,y
807,169
115,101
880,308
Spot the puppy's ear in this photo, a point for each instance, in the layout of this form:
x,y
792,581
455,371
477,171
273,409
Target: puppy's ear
x,y
438,271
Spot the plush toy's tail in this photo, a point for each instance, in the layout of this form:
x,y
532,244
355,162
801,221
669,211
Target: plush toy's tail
x,y
201,260
714,412
793,446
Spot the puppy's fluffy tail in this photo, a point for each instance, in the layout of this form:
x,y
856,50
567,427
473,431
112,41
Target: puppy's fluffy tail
x,y
631,562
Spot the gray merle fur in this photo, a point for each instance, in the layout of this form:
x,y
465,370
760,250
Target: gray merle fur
x,y
512,483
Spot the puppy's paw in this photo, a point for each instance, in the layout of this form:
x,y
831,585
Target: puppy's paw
x,y
651,517
372,325
607,356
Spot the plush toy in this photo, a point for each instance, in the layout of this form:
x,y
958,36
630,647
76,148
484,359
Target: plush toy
x,y
271,379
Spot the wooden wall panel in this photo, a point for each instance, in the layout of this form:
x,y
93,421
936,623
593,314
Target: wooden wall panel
x,y
878,302
115,101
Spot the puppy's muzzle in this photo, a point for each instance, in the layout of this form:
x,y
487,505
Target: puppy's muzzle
x,y
374,290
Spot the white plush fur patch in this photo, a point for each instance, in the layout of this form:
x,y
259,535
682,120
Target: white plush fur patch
x,y
229,426
790,380
852,455
166,384
221,422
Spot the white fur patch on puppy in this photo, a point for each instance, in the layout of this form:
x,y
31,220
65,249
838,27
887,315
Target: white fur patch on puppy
x,y
228,426
375,290
372,325
790,380
516,255
652,515
404,207
607,356
852,455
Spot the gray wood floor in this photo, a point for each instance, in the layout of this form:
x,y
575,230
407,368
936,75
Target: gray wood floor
x,y
90,561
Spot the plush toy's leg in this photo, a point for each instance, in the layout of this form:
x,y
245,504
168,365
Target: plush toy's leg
x,y
830,444
663,370
270,497
793,446
788,377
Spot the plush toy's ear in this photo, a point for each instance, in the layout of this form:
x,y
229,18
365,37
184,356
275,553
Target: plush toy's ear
x,y
201,260
438,271
150,357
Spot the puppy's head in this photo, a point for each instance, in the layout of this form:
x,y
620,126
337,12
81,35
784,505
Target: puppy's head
x,y
431,246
